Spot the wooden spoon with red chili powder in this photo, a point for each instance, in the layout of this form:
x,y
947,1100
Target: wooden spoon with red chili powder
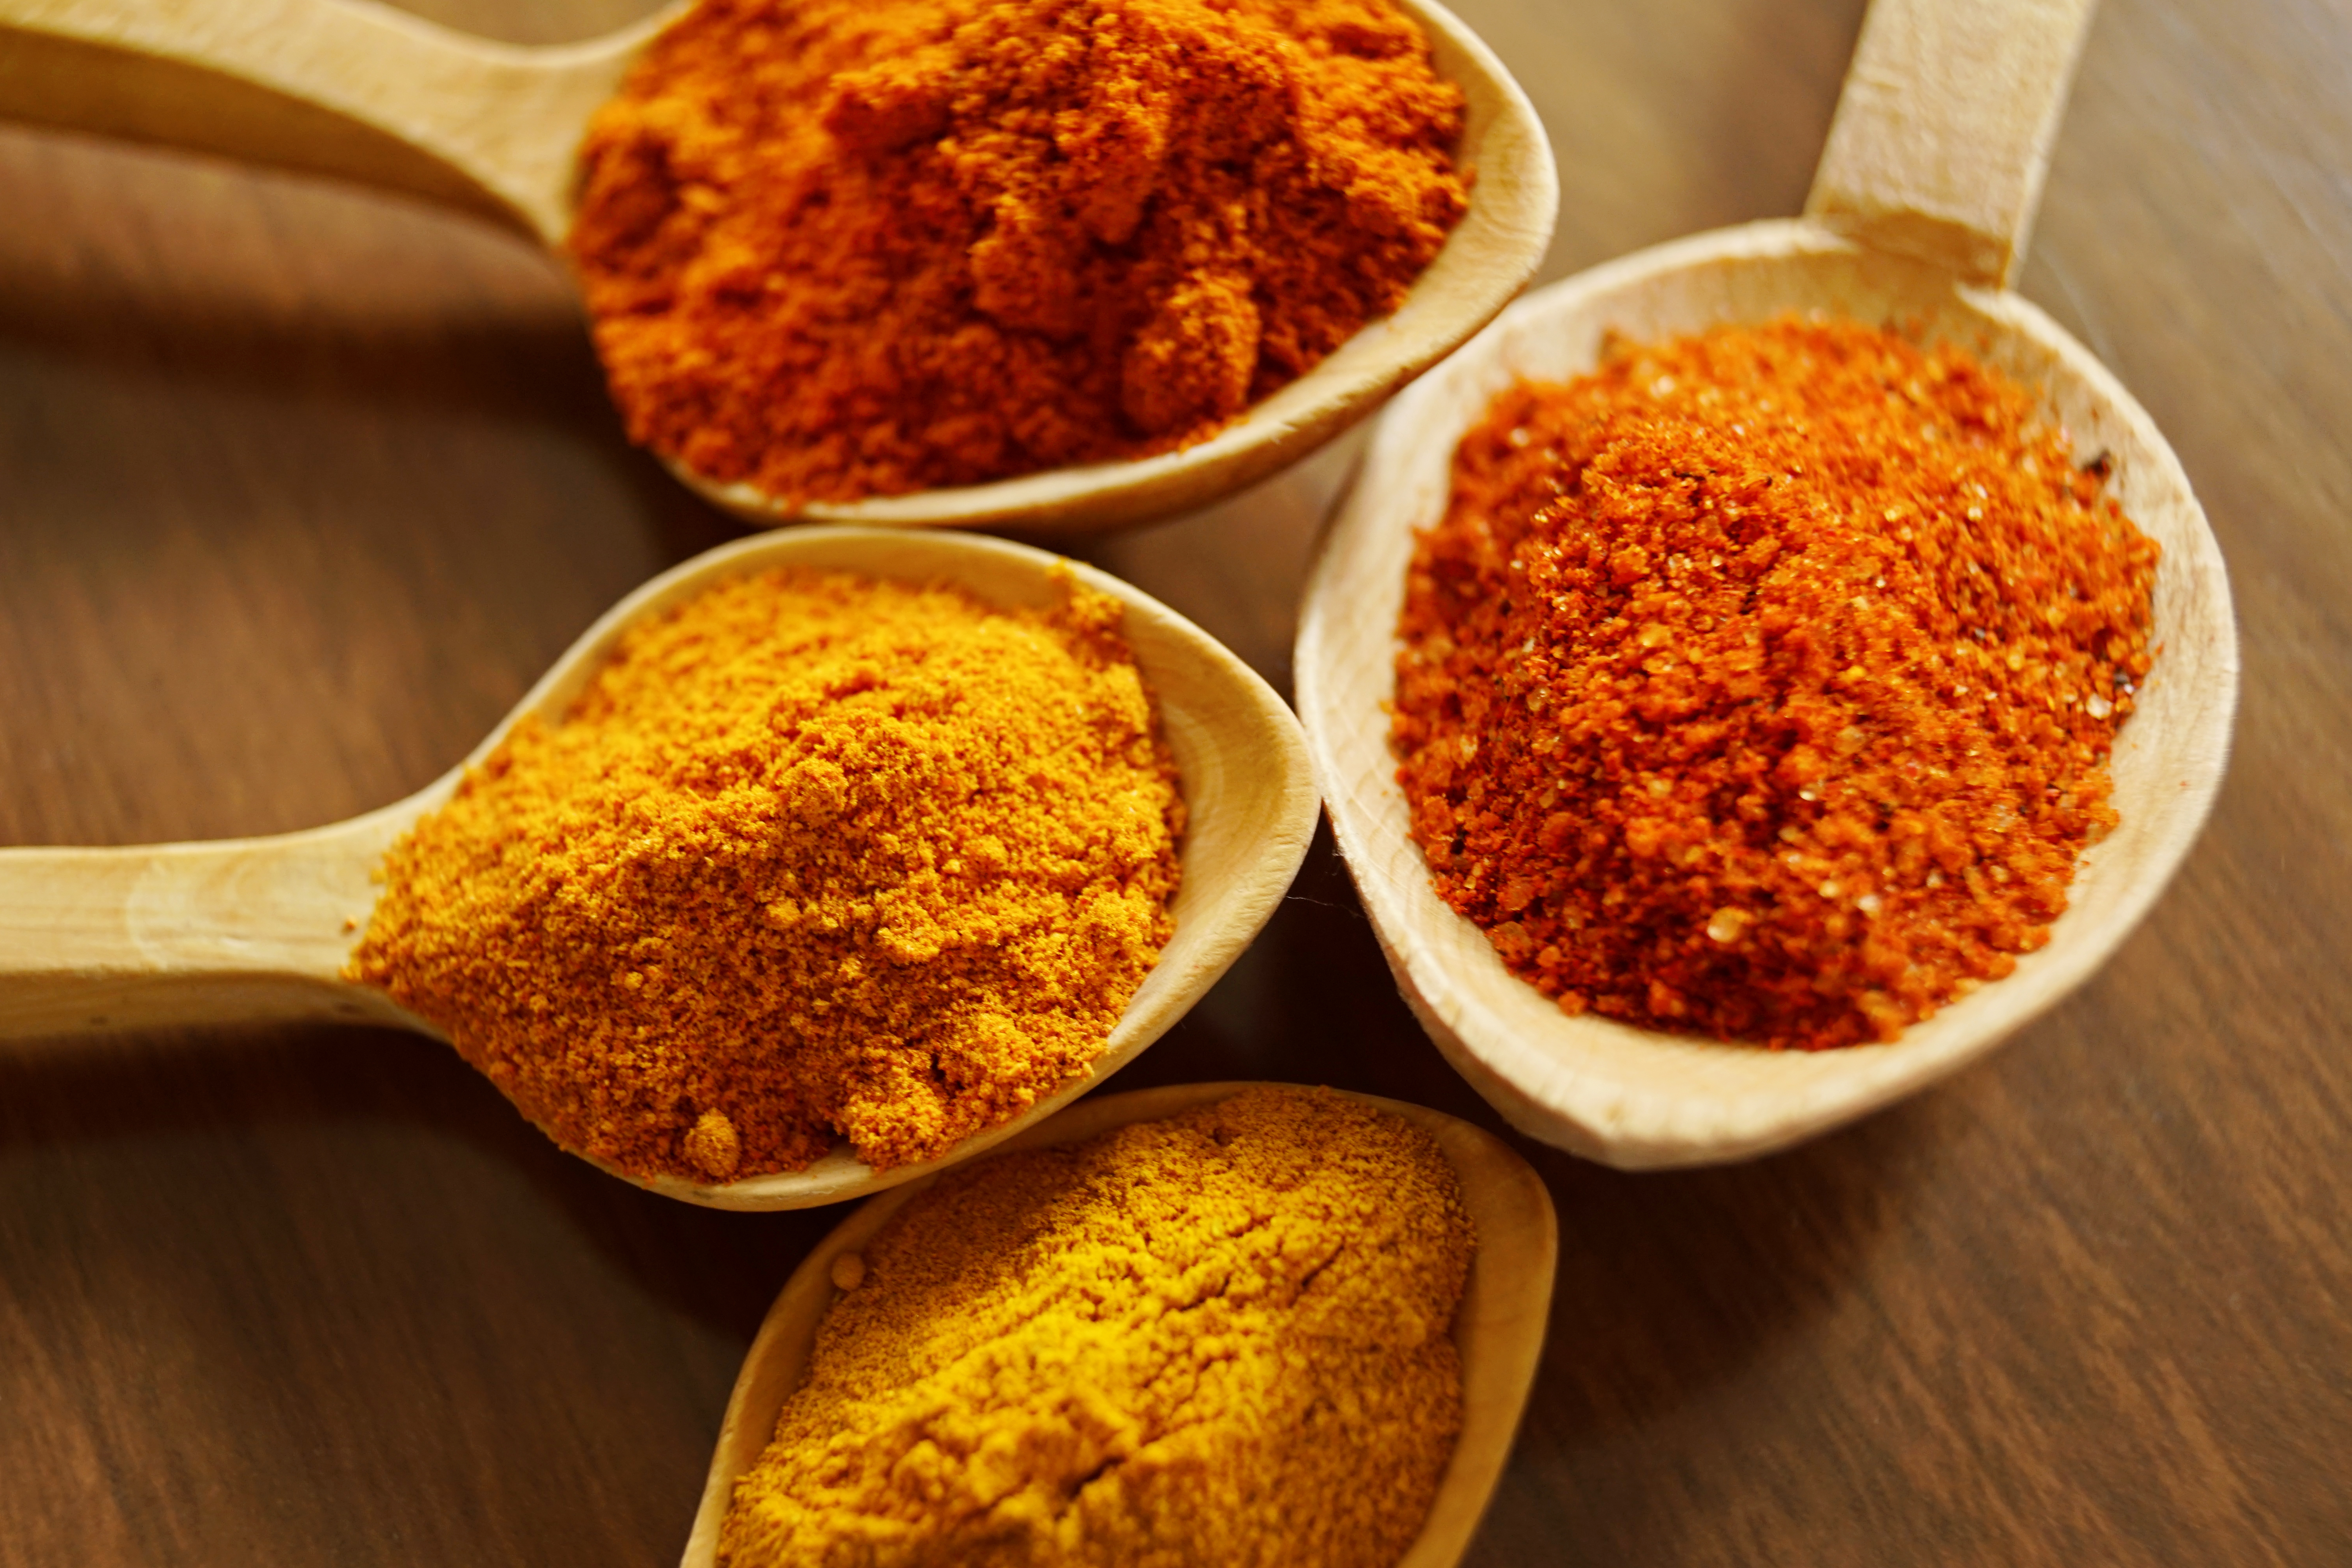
x,y
1916,222
788,359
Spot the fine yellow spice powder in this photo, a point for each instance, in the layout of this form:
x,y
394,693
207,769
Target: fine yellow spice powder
x,y
1219,1339
814,854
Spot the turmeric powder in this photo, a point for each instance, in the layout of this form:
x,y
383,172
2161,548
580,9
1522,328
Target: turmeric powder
x,y
847,248
1220,1339
812,855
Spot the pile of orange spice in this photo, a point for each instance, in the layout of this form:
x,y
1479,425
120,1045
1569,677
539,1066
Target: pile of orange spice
x,y
1762,683
849,248
815,855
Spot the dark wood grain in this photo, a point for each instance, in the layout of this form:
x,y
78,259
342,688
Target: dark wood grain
x,y
301,486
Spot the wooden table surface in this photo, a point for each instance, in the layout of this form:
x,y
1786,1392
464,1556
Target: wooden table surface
x,y
299,486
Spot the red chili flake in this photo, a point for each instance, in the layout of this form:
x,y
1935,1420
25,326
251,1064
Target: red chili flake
x,y
1762,683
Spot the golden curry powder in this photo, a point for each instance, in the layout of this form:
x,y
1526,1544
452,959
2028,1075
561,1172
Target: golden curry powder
x,y
847,248
1763,682
1216,1341
813,855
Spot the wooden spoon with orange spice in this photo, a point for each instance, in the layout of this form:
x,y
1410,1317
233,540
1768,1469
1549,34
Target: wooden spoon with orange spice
x,y
354,89
261,928
1917,220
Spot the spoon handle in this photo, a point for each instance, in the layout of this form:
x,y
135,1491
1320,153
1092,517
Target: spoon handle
x,y
1944,129
184,934
337,87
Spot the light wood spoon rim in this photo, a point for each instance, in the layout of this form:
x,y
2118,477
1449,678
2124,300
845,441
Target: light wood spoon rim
x,y
1637,1099
260,928
362,91
1499,1326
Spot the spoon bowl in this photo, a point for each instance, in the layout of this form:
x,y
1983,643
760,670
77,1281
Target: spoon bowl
x,y
1637,1097
357,89
1498,1328
104,939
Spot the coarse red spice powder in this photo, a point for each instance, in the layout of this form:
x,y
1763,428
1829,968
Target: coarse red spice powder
x,y
1762,683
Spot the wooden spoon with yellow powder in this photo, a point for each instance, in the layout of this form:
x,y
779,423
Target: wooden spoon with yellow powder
x,y
1248,1358
267,928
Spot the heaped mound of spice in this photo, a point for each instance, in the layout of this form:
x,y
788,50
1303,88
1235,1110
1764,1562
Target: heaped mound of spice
x,y
814,854
1763,683
1216,1340
849,248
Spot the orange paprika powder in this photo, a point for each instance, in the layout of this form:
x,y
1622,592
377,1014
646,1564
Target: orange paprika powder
x,y
1762,683
848,247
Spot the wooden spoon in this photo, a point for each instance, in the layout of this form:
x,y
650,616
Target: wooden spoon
x,y
1918,214
347,88
260,928
1499,1329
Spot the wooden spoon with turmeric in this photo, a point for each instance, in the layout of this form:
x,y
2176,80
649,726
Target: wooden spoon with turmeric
x,y
1918,217
1498,1328
94,940
357,89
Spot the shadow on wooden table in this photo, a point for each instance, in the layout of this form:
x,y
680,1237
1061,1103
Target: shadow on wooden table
x,y
340,1124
